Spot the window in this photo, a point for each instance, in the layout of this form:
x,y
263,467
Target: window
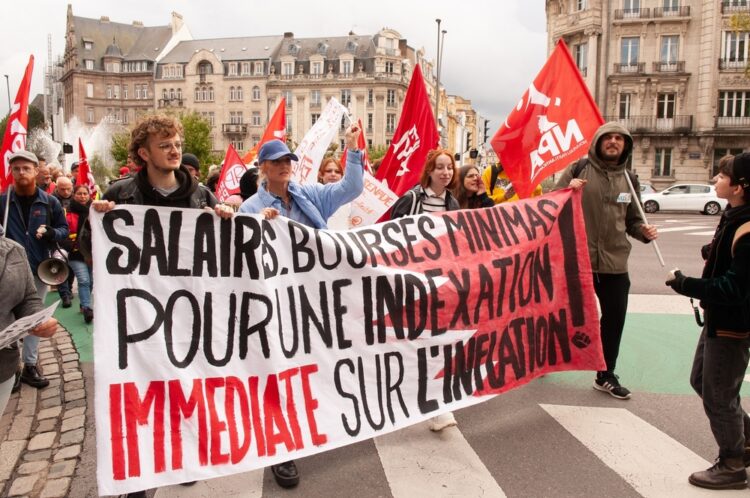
x,y
625,103
179,93
346,97
87,45
671,6
109,91
210,117
288,124
287,94
256,140
256,93
256,118
89,114
287,69
205,67
125,91
232,69
138,91
629,53
314,118
89,64
342,125
238,144
346,67
580,54
581,4
669,49
316,68
370,97
369,143
315,97
390,123
235,117
245,68
258,68
389,67
663,162
391,98
124,116
235,93
90,90
734,104
116,91
665,103
735,48
631,8
369,121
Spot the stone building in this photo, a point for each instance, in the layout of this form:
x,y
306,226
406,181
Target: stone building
x,y
672,71
108,67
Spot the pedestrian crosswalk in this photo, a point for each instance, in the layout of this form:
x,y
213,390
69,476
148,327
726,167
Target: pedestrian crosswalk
x,y
632,458
699,226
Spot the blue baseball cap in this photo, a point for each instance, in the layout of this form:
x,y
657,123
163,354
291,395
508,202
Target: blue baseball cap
x,y
274,149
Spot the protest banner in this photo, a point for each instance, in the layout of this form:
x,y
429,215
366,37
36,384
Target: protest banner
x,y
314,144
235,344
550,127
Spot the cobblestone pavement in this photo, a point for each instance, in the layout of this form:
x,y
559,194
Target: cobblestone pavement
x,y
42,430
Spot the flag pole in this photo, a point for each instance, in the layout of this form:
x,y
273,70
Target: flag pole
x,y
5,214
643,215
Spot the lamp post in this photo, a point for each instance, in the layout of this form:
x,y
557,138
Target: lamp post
x,y
437,71
7,85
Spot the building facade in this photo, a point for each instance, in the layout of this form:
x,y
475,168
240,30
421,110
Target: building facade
x,y
672,71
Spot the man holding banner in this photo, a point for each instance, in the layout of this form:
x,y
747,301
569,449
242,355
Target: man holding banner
x,y
602,173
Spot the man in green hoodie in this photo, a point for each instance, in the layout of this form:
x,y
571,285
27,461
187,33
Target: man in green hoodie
x,y
610,213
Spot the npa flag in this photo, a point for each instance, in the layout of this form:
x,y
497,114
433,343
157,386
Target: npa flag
x,y
85,177
231,172
363,147
15,130
276,129
415,136
551,126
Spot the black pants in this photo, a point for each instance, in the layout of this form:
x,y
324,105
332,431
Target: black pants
x,y
718,371
612,292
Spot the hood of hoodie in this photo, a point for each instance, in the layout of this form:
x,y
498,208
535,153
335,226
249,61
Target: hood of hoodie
x,y
611,127
178,198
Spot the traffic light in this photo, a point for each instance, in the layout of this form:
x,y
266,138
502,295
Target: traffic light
x,y
473,153
468,140
67,148
486,131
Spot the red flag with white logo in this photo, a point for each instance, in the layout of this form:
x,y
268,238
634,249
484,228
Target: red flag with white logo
x,y
415,136
551,126
362,147
85,177
276,129
229,178
15,130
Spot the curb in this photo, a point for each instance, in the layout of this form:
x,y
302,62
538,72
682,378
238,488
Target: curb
x,y
42,430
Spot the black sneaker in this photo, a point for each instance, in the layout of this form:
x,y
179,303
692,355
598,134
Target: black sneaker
x,y
32,375
88,314
16,382
67,302
286,474
610,384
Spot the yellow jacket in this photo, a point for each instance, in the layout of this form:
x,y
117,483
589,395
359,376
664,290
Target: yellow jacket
x,y
503,190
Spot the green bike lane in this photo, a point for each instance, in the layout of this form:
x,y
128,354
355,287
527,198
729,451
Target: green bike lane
x,y
656,352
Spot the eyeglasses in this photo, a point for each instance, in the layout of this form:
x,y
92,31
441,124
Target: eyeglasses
x,y
167,146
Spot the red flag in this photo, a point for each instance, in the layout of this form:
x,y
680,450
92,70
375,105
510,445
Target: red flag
x,y
229,178
15,130
85,177
415,136
363,147
551,126
276,129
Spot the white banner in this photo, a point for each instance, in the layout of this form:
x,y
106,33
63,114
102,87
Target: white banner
x,y
313,146
375,200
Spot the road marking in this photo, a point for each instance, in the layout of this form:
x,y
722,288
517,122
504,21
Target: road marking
x,y
653,463
418,462
680,229
245,485
703,234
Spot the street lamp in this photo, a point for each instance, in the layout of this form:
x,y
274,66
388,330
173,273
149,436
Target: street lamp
x,y
7,84
437,71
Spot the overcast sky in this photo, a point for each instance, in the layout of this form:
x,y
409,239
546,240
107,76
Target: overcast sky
x,y
493,48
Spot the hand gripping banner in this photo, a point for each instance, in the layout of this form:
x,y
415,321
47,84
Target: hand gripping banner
x,y
235,344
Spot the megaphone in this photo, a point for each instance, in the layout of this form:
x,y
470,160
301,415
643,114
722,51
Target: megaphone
x,y
54,270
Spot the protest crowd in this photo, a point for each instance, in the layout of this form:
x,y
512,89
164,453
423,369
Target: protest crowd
x,y
49,213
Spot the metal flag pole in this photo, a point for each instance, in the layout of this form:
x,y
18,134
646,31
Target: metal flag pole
x,y
643,215
5,214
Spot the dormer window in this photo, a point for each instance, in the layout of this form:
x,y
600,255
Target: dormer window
x,y
347,67
89,64
293,49
351,46
322,48
88,45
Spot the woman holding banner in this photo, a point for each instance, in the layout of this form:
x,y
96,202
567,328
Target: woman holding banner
x,y
470,192
432,195
310,204
76,216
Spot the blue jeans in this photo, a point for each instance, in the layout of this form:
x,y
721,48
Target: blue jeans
x,y
717,375
85,279
31,342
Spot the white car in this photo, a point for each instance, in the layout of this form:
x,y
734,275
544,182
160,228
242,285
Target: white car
x,y
684,197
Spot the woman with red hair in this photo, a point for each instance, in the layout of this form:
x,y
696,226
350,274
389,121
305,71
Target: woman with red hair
x,y
433,194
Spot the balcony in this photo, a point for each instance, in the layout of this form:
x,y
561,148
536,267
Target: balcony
x,y
669,67
729,8
732,65
173,102
632,14
234,128
203,78
682,11
315,106
652,124
630,68
732,122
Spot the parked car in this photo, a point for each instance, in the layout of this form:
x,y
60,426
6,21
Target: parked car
x,y
684,197
647,188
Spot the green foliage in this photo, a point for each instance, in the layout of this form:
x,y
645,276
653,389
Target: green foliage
x,y
197,140
100,170
119,148
377,152
36,120
740,22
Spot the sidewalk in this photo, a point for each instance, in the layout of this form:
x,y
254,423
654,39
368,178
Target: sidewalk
x,y
42,430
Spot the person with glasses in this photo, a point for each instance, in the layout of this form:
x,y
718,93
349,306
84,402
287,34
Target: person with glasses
x,y
156,146
470,191
310,204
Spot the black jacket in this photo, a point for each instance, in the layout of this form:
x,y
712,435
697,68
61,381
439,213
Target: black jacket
x,y
136,190
724,288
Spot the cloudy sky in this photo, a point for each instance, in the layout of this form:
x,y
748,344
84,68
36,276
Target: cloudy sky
x,y
493,48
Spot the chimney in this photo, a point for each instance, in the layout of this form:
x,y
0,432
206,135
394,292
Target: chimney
x,y
177,22
288,34
104,19
138,24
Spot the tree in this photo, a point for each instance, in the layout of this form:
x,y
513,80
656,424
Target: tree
x,y
197,140
740,22
120,145
36,120
377,152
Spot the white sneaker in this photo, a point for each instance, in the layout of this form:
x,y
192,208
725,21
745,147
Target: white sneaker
x,y
440,422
